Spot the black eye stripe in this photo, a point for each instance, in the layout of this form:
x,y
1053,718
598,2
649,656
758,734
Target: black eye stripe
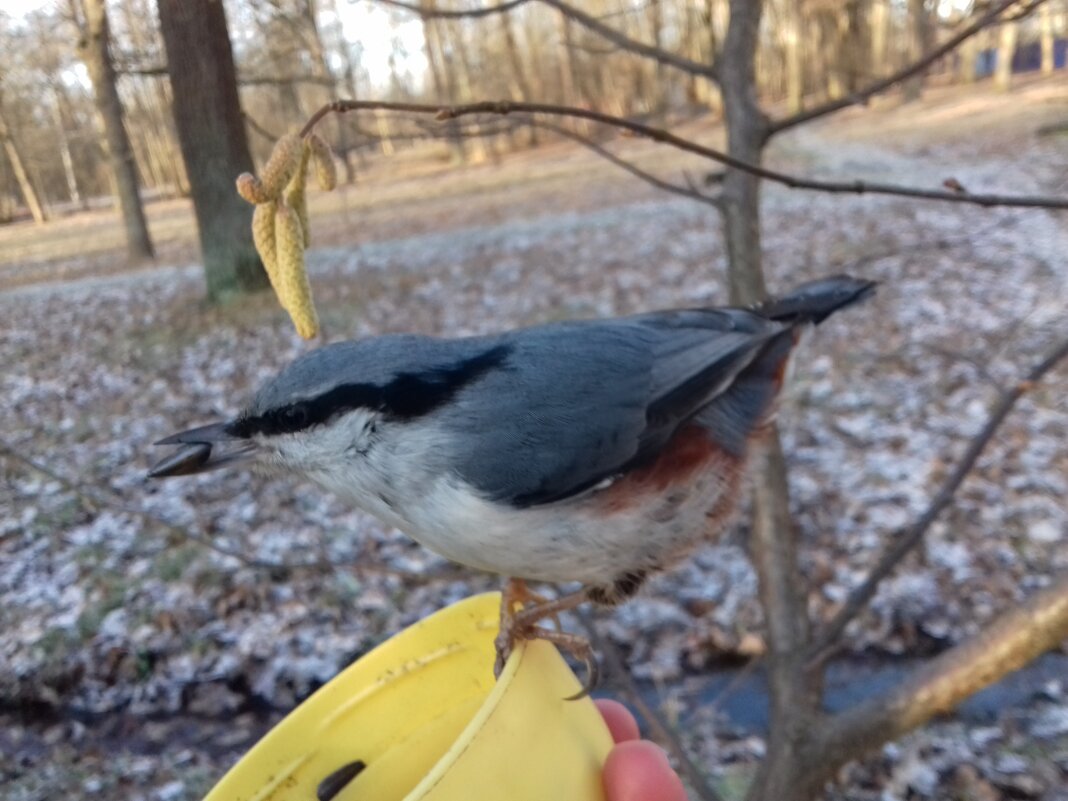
x,y
408,396
290,418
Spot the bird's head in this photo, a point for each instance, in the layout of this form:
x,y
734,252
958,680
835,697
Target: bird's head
x,y
325,409
321,409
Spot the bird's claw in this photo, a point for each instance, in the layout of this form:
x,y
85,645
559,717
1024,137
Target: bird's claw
x,y
521,624
577,646
503,645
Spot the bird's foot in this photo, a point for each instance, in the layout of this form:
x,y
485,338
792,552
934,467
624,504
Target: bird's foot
x,y
521,624
515,593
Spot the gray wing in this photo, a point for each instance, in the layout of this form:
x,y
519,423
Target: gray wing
x,y
575,403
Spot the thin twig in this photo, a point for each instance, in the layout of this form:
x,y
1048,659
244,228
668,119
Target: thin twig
x,y
93,497
908,540
661,731
445,13
881,85
1023,13
587,21
141,71
690,192
687,145
284,80
258,128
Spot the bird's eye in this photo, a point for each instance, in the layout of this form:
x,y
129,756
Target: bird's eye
x,y
295,416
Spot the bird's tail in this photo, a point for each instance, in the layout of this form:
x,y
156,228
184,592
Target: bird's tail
x,y
817,300
753,396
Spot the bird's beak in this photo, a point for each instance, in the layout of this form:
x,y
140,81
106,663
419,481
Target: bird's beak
x,y
202,449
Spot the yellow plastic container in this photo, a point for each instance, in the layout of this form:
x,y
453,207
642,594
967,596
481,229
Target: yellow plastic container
x,y
425,717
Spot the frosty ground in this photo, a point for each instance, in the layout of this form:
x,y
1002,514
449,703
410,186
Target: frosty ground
x,y
151,630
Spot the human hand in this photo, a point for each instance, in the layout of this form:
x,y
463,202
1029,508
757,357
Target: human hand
x,y
636,769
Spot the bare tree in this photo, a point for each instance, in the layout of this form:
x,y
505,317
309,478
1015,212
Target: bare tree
x,y
1047,37
606,55
94,50
64,146
46,60
879,23
211,131
919,28
805,746
18,167
1006,51
793,61
148,102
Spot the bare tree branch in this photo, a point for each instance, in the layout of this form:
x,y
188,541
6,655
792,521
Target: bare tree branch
x,y
160,70
1010,642
258,127
690,191
463,13
1023,13
881,85
908,540
624,42
147,71
281,80
689,146
587,21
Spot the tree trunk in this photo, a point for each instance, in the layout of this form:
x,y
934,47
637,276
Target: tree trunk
x,y
968,54
783,772
94,51
717,19
879,23
919,25
793,57
566,63
518,85
211,133
22,177
148,108
349,88
324,70
147,167
481,146
659,100
832,43
1006,50
64,148
444,90
787,770
1046,23
433,56
385,140
855,42
746,137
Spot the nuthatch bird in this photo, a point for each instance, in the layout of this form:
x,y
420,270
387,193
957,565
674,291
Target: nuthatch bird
x,y
592,451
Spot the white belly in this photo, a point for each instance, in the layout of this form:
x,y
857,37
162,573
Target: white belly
x,y
574,540
593,538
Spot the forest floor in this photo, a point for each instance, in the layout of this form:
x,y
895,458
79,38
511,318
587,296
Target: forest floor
x,y
151,631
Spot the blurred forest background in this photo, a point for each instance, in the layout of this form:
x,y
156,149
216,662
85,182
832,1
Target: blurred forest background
x,y
152,632
294,55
